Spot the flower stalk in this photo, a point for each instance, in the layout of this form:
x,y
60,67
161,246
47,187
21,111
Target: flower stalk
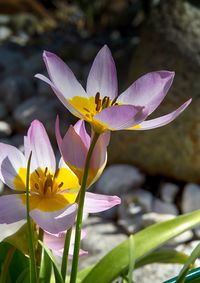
x,y
65,253
32,264
80,210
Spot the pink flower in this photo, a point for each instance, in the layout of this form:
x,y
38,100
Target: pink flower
x,y
55,242
74,148
100,104
53,192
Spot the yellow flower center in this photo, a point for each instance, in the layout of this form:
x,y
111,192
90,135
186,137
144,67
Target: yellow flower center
x,y
48,191
89,107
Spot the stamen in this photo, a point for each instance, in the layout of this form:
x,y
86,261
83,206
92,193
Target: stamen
x,y
84,108
60,185
98,107
45,172
105,102
48,183
37,173
36,186
113,102
97,97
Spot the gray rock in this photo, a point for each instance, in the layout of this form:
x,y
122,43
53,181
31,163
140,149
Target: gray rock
x,y
41,108
164,207
119,179
14,89
5,129
102,236
168,192
5,33
191,198
4,19
153,217
182,238
172,150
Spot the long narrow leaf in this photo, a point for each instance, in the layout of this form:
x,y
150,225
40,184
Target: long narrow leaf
x,y
192,277
131,258
188,265
58,277
147,240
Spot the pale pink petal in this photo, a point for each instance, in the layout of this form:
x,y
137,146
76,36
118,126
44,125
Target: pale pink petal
x,y
60,95
103,77
163,120
121,117
42,152
149,90
99,154
73,149
57,132
62,77
79,127
12,209
56,221
97,203
11,160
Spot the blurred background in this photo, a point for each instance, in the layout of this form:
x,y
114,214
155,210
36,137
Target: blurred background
x,y
153,171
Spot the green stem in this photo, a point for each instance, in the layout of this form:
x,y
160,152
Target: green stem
x,y
32,261
5,267
80,210
39,247
65,253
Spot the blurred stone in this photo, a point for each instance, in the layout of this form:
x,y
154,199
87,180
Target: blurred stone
x,y
182,238
119,179
41,108
153,217
5,33
191,198
168,192
14,89
4,19
5,129
174,149
102,236
144,198
164,207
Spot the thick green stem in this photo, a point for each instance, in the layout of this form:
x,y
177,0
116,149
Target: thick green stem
x,y
65,254
80,210
32,262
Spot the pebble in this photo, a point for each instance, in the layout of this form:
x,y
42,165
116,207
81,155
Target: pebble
x,y
162,207
119,179
5,129
5,33
153,217
191,198
168,192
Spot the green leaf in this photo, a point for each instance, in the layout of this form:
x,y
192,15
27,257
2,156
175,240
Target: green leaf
x,y
131,258
45,269
192,277
147,240
12,262
58,277
188,265
163,256
24,277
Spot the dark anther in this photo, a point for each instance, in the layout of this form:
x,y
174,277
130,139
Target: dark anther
x,y
105,102
48,183
60,185
114,100
84,108
45,171
37,173
97,97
